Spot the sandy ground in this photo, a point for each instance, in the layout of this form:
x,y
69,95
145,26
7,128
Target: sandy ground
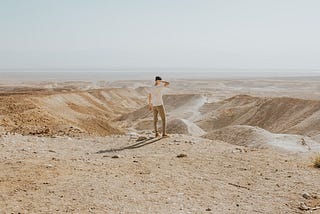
x,y
65,175
71,148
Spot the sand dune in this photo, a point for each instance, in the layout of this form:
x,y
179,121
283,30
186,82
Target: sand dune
x,y
191,114
104,112
256,137
278,115
67,113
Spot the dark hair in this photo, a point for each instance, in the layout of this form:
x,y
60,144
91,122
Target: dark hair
x,y
158,78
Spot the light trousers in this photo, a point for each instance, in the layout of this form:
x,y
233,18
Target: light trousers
x,y
162,112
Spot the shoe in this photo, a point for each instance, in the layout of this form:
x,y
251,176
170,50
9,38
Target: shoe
x,y
165,136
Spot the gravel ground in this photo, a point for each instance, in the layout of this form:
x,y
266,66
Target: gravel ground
x,y
180,174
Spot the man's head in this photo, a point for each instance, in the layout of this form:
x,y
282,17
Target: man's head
x,y
158,79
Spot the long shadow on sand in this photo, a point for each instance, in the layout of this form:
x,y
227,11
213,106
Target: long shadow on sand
x,y
133,146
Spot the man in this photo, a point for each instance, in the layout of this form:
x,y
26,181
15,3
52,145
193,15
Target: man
x,y
156,104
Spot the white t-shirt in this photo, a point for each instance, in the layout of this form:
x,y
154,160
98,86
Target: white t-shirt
x,y
156,95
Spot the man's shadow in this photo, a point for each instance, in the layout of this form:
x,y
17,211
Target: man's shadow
x,y
134,146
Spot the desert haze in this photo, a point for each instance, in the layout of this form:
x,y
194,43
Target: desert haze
x,y
237,145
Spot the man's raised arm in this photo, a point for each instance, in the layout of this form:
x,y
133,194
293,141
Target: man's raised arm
x,y
165,83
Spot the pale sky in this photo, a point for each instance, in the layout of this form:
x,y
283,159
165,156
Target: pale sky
x,y
282,34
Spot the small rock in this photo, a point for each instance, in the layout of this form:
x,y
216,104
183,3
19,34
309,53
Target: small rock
x,y
115,156
306,195
303,206
181,155
240,150
208,209
189,141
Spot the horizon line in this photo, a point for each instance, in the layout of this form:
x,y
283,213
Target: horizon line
x,y
160,68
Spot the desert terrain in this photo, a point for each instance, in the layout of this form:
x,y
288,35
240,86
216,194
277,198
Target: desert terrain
x,y
237,145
